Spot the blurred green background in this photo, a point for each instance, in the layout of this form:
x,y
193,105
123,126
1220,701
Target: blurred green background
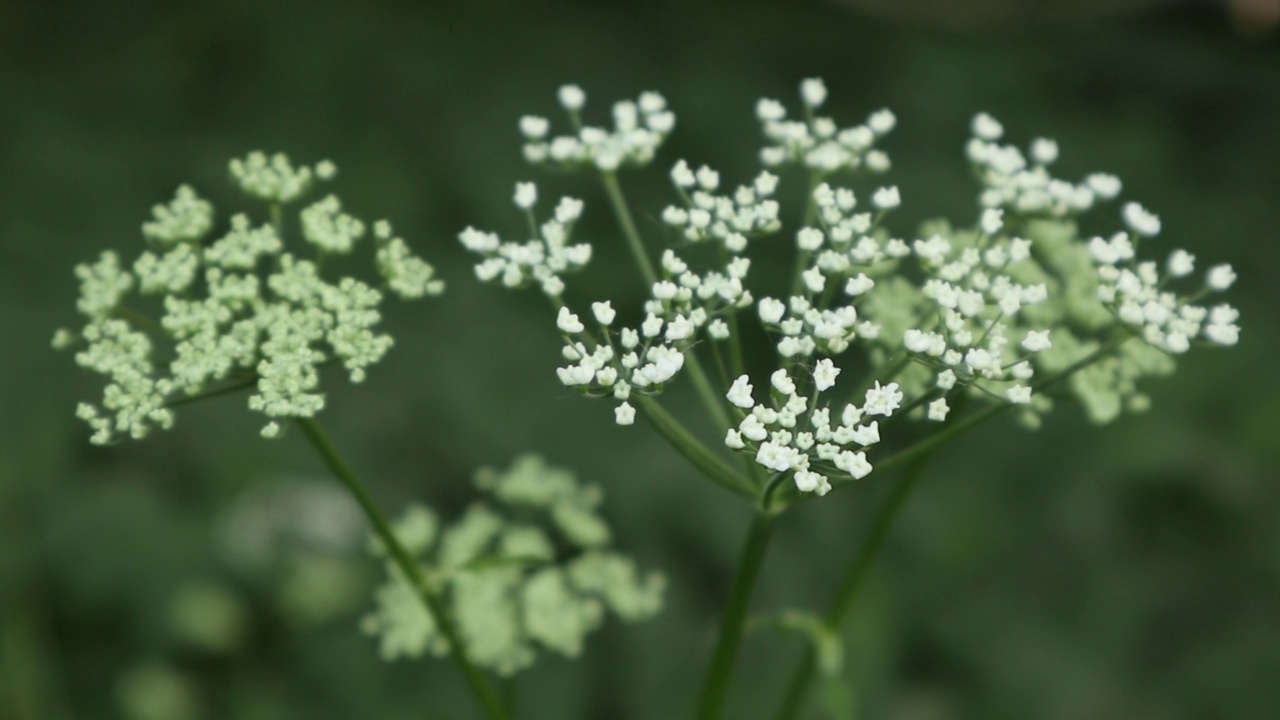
x,y
1131,571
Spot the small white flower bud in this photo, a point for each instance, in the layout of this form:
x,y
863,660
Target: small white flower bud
x,y
533,127
987,127
571,97
886,198
813,92
604,312
1220,277
568,322
740,393
1036,341
1044,151
624,414
526,195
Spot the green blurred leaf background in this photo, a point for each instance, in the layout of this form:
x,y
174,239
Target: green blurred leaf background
x,y
1131,571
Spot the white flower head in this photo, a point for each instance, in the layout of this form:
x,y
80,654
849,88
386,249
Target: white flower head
x,y
813,92
986,127
740,393
1220,277
624,414
824,375
604,312
571,97
568,322
886,198
1140,220
526,195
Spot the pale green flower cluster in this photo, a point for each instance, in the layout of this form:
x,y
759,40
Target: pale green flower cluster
x,y
991,309
531,566
235,309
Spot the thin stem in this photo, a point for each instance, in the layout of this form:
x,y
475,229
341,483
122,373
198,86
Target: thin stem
x,y
736,362
629,231
850,584
710,399
919,454
694,451
810,214
224,390
476,681
716,685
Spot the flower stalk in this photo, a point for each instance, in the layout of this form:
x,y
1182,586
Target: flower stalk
x,y
476,681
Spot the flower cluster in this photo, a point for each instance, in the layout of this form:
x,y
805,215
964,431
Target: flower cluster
x,y
787,435
1138,296
238,307
543,260
997,309
818,143
512,584
1022,184
639,128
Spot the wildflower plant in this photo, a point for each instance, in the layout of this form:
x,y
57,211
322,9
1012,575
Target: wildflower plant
x,y
886,343
946,326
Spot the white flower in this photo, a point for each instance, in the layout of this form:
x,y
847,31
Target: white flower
x,y
624,414
992,220
938,410
1044,151
526,195
882,400
881,122
740,393
568,322
1036,341
1181,263
1103,185
782,382
813,92
886,198
534,127
771,310
1019,394
1220,277
571,97
682,176
809,239
651,326
987,127
859,285
604,312
1140,220
1222,334
824,374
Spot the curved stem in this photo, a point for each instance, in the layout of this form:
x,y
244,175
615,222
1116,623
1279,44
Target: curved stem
x,y
716,685
435,606
920,454
223,390
694,451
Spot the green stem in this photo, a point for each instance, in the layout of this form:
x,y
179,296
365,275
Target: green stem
x,y
694,451
716,685
710,399
629,231
224,390
476,681
802,677
810,214
919,453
